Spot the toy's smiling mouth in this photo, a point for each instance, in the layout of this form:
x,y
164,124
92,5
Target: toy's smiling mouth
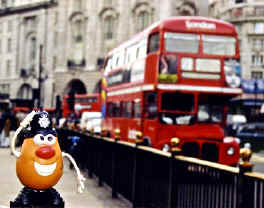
x,y
45,170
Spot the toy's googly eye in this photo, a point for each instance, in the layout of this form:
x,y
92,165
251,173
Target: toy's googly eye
x,y
39,139
50,139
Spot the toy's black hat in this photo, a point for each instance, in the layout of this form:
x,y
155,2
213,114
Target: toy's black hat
x,y
40,124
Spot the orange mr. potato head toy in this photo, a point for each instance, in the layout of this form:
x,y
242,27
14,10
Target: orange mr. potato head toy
x,y
39,165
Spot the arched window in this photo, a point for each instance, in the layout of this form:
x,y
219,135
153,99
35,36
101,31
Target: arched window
x,y
187,8
143,20
77,40
25,92
78,34
31,51
143,14
109,27
33,47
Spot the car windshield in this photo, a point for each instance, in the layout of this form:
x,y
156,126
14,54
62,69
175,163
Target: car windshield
x,y
252,128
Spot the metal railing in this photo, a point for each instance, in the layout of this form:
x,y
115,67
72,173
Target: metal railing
x,y
151,178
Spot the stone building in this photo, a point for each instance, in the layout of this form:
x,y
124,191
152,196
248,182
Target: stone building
x,y
59,45
248,18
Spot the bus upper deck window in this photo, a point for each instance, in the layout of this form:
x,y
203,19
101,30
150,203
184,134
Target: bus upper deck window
x,y
219,45
154,43
181,42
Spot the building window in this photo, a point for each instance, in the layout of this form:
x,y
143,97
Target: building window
x,y
259,28
109,27
25,92
33,47
54,62
9,45
4,88
239,1
256,75
4,3
56,18
238,28
55,39
8,67
258,44
0,46
257,60
77,41
143,20
9,26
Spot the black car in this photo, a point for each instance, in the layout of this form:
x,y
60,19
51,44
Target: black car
x,y
252,133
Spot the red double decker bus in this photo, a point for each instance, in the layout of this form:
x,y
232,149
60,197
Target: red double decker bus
x,y
175,79
82,103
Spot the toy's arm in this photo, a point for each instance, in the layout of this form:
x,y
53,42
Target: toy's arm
x,y
23,125
80,177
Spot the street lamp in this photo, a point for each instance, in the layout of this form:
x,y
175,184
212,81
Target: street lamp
x,y
41,78
39,75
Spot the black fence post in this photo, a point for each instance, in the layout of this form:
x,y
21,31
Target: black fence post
x,y
245,192
114,164
90,159
139,141
100,161
175,150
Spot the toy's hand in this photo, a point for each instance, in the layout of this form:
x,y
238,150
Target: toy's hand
x,y
28,119
81,185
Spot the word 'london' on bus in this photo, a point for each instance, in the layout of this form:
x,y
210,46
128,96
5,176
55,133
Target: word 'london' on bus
x,y
82,103
175,79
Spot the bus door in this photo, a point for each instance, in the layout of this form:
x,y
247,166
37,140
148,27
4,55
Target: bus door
x,y
150,114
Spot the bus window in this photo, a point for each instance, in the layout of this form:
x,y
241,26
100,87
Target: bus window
x,y
137,109
127,109
142,49
173,101
180,42
219,45
108,67
110,110
168,64
116,109
211,108
154,43
131,54
151,105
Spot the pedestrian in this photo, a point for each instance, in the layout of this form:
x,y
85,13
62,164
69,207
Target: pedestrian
x,y
14,122
2,123
6,130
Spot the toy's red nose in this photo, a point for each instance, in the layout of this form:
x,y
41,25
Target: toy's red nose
x,y
45,152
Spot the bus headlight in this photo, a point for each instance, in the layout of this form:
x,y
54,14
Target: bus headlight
x,y
166,148
230,151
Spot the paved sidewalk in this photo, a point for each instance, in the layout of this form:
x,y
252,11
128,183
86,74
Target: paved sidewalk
x,y
93,197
